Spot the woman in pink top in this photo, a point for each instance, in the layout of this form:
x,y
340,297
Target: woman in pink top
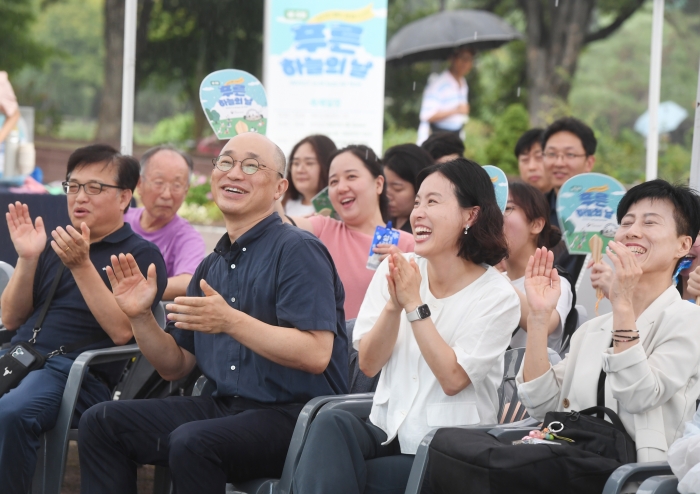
x,y
357,191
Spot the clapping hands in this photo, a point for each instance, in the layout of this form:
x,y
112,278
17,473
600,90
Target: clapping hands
x,y
28,238
404,281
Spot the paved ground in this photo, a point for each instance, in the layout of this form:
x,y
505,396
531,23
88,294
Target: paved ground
x,y
71,482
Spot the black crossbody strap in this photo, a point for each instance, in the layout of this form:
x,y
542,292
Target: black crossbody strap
x,y
45,308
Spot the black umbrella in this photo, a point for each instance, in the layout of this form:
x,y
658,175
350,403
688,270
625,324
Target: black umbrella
x,y
436,36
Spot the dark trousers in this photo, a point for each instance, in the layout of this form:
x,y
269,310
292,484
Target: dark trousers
x,y
343,454
31,409
204,440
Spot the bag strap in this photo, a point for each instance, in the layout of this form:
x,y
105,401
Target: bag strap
x,y
62,350
45,308
614,418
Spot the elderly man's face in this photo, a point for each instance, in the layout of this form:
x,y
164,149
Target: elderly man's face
x,y
239,194
164,184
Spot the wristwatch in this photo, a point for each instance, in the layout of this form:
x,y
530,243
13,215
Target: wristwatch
x,y
419,313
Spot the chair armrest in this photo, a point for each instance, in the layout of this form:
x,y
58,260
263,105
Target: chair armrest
x,y
635,472
57,438
360,407
660,484
203,387
301,431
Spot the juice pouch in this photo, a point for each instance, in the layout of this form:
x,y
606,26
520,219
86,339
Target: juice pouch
x,y
322,203
382,235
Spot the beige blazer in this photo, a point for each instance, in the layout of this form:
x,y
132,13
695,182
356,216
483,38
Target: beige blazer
x,y
652,386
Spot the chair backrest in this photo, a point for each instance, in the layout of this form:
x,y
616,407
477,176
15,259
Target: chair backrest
x,y
6,271
358,382
509,407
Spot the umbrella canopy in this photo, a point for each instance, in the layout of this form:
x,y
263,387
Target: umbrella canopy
x,y
436,36
671,114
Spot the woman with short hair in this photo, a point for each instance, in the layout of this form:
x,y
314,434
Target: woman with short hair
x,y
437,325
643,359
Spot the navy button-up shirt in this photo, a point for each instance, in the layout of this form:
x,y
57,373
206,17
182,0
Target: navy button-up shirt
x,y
281,276
69,320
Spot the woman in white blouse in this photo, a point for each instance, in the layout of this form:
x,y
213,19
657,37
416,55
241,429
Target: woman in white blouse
x,y
642,360
436,325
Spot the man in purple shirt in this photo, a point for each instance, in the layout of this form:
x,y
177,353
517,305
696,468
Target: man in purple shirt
x,y
163,185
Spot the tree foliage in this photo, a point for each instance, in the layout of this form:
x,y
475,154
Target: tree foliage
x,y
18,46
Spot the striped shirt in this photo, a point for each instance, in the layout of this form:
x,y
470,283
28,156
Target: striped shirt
x,y
442,93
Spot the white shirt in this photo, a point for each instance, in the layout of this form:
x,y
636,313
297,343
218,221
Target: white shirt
x,y
563,308
294,207
477,322
442,93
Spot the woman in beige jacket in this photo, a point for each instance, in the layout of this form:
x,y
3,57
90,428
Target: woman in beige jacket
x,y
643,359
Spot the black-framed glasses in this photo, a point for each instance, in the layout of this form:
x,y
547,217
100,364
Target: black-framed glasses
x,y
90,188
248,165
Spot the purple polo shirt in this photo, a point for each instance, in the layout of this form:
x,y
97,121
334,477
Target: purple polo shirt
x,y
182,247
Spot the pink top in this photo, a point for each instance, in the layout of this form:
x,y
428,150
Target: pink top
x,y
8,101
350,250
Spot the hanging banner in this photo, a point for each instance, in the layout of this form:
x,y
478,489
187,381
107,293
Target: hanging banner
x,y
586,209
500,185
324,70
234,102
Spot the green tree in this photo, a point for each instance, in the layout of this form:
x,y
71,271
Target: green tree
x,y
508,127
18,47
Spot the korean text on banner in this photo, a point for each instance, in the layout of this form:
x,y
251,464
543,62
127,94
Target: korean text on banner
x,y
324,70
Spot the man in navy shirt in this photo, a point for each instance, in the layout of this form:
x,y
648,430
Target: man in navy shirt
x,y
263,319
99,184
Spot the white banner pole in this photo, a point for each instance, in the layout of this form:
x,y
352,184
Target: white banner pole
x,y
128,78
657,32
695,155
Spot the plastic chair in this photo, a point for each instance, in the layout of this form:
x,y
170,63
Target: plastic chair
x,y
51,460
509,407
635,472
53,449
661,484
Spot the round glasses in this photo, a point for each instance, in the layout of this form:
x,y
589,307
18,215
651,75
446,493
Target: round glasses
x,y
90,188
248,165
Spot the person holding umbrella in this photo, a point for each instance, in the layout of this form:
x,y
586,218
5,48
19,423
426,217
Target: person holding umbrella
x,y
445,106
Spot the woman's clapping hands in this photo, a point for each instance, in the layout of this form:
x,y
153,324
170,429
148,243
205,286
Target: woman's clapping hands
x,y
404,280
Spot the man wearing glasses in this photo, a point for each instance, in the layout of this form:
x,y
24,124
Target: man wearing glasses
x,y
82,314
569,149
164,182
263,318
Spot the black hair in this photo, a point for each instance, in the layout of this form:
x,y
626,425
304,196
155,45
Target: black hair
x,y
374,165
686,203
165,147
407,161
535,205
485,242
323,147
527,140
127,168
576,127
440,144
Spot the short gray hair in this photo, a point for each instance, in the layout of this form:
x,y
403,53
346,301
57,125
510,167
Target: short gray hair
x,y
164,147
280,160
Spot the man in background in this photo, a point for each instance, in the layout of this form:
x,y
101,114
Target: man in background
x,y
568,149
164,182
444,107
528,151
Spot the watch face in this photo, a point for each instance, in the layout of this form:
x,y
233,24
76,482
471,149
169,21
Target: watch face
x,y
424,311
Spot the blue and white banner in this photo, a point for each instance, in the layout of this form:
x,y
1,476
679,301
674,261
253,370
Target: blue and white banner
x,y
324,70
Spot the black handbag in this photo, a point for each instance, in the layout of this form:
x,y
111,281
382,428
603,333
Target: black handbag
x,y
473,461
22,358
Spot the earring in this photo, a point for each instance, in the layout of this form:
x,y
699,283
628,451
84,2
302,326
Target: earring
x,y
466,229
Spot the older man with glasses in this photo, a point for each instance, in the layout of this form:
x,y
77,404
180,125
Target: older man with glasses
x,y
164,182
82,313
263,318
